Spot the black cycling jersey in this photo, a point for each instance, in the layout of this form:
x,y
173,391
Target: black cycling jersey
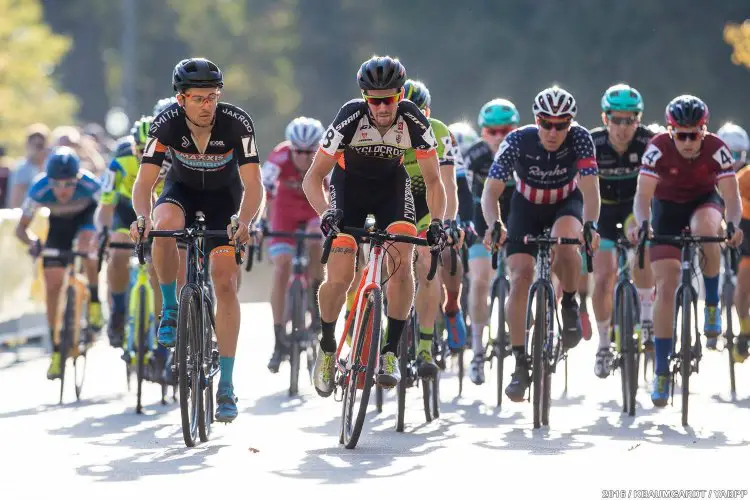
x,y
478,160
618,175
232,143
366,155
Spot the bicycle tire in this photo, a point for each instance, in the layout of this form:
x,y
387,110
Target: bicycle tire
x,y
461,371
729,335
626,325
206,402
685,352
298,326
140,328
371,317
379,399
548,355
403,366
537,344
501,340
188,354
66,337
206,411
79,360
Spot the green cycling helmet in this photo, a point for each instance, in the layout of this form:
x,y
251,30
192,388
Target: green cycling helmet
x,y
497,113
140,130
622,97
417,93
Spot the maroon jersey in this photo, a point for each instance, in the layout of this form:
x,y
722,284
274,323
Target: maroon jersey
x,y
682,180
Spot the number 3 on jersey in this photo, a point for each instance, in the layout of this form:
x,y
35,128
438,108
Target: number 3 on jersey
x,y
330,142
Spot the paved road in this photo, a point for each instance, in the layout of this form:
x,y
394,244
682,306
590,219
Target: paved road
x,y
99,448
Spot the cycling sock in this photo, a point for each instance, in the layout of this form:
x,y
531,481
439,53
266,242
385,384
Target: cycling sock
x,y
169,295
52,336
646,296
56,348
604,339
227,366
395,328
425,338
94,290
712,290
568,299
745,325
477,331
277,332
451,303
663,349
519,353
328,339
584,296
119,302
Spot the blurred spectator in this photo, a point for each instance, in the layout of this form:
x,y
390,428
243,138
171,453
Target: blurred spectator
x,y
37,136
85,147
105,143
4,173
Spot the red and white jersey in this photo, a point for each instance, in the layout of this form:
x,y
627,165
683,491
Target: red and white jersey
x,y
680,179
283,183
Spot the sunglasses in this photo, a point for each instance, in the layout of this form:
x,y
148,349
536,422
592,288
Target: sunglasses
x,y
200,100
65,184
621,120
559,126
304,151
684,136
383,99
499,130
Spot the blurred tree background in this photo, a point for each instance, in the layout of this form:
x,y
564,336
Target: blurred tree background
x,y
284,58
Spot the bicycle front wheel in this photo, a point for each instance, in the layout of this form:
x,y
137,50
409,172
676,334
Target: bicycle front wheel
x,y
537,346
140,334
625,323
499,293
296,296
188,361
364,357
685,351
66,336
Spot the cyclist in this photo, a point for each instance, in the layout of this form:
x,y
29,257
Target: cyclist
x,y
738,143
214,170
497,119
366,143
428,294
620,144
283,172
70,193
557,186
681,170
465,137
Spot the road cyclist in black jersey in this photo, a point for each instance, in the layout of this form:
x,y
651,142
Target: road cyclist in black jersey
x,y
215,171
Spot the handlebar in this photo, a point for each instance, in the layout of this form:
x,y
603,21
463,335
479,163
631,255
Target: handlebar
x,y
180,235
681,240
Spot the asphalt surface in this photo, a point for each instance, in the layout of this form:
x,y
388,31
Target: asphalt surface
x,y
280,446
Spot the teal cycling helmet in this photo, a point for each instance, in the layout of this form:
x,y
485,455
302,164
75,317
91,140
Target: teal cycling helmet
x,y
417,93
497,113
622,97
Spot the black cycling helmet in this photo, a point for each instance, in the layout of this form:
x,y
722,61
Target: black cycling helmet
x,y
417,93
686,111
196,72
381,73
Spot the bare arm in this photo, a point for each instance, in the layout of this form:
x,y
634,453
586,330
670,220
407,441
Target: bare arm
x,y
448,176
254,193
23,232
589,185
493,189
429,167
314,181
730,192
144,184
104,215
643,196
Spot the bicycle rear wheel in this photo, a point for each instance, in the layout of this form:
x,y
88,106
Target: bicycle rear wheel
x,y
369,337
298,326
404,356
141,325
537,346
188,361
685,351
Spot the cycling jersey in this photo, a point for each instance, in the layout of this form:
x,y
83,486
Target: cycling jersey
x,y
231,144
478,160
618,175
41,195
743,180
118,179
544,177
684,180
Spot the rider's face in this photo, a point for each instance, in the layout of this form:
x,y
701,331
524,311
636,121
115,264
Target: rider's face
x,y
621,126
553,131
64,189
688,140
200,105
383,105
303,158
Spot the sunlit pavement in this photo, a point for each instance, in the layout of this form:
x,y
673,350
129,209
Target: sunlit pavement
x,y
279,447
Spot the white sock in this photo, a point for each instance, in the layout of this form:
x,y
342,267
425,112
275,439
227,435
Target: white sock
x,y
477,329
603,327
647,303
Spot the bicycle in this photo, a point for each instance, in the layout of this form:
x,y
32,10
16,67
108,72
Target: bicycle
x,y
498,346
72,318
357,371
300,337
686,359
140,342
626,314
729,284
197,360
546,346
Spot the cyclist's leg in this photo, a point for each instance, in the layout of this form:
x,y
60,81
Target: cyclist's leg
x,y
86,242
426,305
117,272
567,264
314,268
644,283
172,211
666,219
742,297
706,221
480,275
605,275
280,251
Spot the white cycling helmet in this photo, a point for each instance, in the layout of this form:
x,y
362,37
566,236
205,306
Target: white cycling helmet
x,y
304,133
656,128
735,137
464,134
555,102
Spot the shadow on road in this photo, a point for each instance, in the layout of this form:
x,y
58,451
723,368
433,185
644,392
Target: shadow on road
x,y
278,403
54,407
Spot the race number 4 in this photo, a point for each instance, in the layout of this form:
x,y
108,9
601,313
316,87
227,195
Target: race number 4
x,y
724,158
651,156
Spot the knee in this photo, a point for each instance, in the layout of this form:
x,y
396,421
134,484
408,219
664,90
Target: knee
x,y
282,265
604,281
565,255
225,283
520,279
666,287
169,221
339,280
